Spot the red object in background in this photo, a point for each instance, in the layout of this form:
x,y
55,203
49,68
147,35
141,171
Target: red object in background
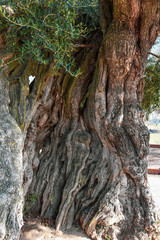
x,y
154,171
154,146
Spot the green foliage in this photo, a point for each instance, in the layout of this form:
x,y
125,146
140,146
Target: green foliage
x,y
29,201
151,99
52,197
107,237
88,13
32,197
47,29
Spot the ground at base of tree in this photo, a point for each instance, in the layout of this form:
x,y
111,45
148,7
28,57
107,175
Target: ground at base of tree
x,y
34,229
38,229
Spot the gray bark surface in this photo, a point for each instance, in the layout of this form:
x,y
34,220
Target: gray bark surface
x,y
11,169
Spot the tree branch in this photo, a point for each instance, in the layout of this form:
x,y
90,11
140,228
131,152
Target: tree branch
x,y
155,55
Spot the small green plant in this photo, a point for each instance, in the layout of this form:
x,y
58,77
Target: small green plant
x,y
52,197
26,210
28,203
107,237
32,197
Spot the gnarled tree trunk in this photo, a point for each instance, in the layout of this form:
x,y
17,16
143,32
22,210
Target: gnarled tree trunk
x,y
86,146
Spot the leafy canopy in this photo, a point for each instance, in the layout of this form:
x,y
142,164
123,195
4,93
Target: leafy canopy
x,y
47,29
151,99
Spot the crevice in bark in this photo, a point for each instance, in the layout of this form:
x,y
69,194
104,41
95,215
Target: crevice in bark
x,y
106,89
31,86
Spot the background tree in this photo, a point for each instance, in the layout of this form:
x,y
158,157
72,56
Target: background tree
x,y
151,99
86,145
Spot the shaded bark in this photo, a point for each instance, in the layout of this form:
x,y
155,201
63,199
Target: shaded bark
x,y
86,146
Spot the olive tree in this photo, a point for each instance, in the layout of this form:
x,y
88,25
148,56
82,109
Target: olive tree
x,y
85,143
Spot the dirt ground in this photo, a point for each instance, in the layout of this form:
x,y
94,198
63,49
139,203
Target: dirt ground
x,y
36,230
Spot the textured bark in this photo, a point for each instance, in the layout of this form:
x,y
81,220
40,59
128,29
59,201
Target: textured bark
x,y
11,178
86,146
